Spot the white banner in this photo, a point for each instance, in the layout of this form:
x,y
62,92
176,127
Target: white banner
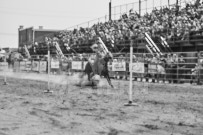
x,y
22,65
35,66
55,64
28,65
16,66
77,65
152,68
118,66
137,67
42,66
3,64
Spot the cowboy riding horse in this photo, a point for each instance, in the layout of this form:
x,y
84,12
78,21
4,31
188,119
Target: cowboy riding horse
x,y
99,64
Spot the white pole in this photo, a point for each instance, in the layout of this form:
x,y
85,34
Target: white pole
x,y
5,81
5,66
131,74
48,83
130,103
48,69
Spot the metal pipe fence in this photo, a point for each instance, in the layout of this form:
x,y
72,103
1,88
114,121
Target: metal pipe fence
x,y
183,67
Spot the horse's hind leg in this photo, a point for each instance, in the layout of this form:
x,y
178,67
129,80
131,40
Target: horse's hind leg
x,y
88,76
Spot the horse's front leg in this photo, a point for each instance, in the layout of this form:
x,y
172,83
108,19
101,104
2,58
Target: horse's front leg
x,y
109,81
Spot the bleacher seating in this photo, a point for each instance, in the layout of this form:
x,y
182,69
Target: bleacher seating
x,y
184,27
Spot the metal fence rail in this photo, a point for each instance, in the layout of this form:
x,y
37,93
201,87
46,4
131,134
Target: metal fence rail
x,y
181,67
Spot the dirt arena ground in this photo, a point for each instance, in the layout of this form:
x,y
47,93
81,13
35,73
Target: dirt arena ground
x,y
172,109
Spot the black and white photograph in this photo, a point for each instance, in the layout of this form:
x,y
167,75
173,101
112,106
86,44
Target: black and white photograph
x,y
101,67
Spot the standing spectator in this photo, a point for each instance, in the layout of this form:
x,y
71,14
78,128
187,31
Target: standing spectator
x,y
174,67
169,67
195,74
181,66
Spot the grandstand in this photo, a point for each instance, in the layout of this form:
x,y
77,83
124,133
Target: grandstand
x,y
179,27
171,32
67,82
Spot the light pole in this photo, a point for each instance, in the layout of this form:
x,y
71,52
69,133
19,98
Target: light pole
x,y
110,10
140,7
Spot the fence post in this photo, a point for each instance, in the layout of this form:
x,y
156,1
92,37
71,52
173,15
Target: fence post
x,y
199,69
178,71
5,80
5,76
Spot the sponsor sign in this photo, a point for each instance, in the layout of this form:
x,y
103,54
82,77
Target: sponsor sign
x,y
152,68
42,66
16,66
54,64
137,67
77,65
118,66
35,66
28,65
22,65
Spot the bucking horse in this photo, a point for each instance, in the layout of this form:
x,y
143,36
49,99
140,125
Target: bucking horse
x,y
98,65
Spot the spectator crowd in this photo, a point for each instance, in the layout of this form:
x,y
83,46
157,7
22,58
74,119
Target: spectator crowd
x,y
170,23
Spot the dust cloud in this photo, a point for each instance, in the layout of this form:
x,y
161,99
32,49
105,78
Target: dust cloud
x,y
52,78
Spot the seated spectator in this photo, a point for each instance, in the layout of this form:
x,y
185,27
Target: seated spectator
x,y
164,22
